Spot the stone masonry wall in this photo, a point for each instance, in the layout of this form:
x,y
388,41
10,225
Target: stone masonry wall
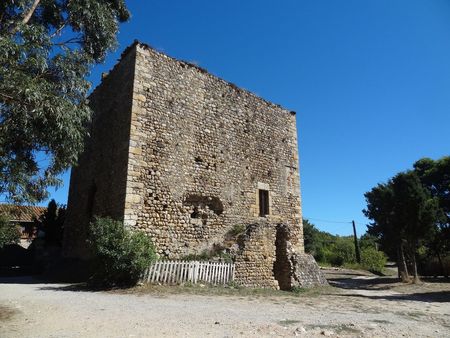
x,y
200,149
254,264
182,155
98,182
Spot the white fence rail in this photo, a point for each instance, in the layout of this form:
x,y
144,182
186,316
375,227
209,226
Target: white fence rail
x,y
177,272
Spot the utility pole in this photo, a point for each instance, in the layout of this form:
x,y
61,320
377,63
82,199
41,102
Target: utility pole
x,y
358,254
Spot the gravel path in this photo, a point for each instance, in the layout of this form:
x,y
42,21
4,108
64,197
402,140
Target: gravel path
x,y
30,309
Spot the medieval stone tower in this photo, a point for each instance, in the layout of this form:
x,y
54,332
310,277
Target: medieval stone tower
x,y
185,156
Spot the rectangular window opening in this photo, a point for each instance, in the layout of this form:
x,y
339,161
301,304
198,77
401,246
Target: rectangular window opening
x,y
263,203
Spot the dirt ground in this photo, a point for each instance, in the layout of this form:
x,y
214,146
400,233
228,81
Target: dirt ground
x,y
356,305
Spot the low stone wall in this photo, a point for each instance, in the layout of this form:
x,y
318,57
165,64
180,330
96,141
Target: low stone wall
x,y
254,264
267,259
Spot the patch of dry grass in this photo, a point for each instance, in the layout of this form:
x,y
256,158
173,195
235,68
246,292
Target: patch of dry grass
x,y
7,313
226,291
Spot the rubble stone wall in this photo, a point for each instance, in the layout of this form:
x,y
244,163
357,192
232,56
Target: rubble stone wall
x,y
183,155
98,182
254,264
200,150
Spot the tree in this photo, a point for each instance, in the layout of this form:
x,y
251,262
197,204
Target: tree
x,y
380,209
309,237
327,248
368,241
403,213
9,233
47,48
317,243
415,211
435,176
51,223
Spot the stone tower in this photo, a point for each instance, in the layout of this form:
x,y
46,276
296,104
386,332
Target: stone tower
x,y
186,157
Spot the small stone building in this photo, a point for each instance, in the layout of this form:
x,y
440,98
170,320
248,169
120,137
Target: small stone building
x,y
187,157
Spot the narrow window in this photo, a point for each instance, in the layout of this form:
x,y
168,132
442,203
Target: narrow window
x,y
263,203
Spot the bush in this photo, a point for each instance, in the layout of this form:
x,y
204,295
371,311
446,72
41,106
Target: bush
x,y
373,260
121,255
9,233
236,231
345,250
338,252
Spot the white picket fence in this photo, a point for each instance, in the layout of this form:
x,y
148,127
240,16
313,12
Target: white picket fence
x,y
178,272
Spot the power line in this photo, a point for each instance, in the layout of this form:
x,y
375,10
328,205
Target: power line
x,y
326,221
337,222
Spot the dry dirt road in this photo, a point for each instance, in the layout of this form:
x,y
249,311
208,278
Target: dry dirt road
x,y
357,305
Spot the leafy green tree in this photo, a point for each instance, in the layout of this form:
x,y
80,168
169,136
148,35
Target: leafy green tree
x,y
317,242
310,237
51,223
9,233
380,205
327,248
435,176
47,48
416,211
368,241
403,213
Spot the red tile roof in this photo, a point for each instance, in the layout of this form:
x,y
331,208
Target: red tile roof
x,y
21,213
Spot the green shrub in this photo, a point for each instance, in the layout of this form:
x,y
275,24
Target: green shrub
x,y
209,255
335,259
338,252
236,230
298,289
9,233
345,250
373,260
121,255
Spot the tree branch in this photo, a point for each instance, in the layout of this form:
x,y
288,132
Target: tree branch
x,y
7,96
30,12
71,40
60,28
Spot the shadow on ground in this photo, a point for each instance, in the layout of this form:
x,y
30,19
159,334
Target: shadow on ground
x,y
429,297
389,287
364,283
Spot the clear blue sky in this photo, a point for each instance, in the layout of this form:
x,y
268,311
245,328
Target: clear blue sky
x,y
369,80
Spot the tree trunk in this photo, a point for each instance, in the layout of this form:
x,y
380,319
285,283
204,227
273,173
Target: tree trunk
x,y
404,275
30,12
441,265
26,16
414,266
